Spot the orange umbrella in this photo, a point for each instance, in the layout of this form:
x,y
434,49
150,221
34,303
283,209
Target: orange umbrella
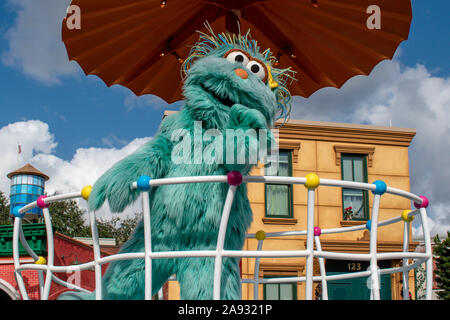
x,y
141,43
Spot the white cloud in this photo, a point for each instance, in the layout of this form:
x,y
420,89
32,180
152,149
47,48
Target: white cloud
x,y
437,225
86,166
38,144
34,41
332,104
406,97
33,136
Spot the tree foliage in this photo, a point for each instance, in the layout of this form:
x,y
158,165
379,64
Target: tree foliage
x,y
442,252
69,219
5,218
118,228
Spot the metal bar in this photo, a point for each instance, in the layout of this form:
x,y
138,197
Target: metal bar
x,y
322,270
428,252
35,257
147,245
404,194
181,180
310,244
256,272
221,241
48,200
50,253
26,246
345,276
405,274
374,276
16,256
97,256
68,285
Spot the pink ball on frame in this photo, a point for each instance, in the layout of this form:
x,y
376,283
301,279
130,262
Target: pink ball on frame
x,y
317,231
425,203
234,178
40,202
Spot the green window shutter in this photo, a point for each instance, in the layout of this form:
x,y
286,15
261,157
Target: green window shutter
x,y
355,202
280,291
278,197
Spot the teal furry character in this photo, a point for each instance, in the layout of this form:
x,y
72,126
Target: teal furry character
x,y
230,87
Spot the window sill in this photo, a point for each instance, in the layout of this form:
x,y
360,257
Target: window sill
x,y
352,223
284,221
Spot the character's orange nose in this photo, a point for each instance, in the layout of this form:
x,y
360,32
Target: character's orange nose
x,y
241,73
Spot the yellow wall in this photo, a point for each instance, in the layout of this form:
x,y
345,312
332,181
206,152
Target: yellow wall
x,y
317,154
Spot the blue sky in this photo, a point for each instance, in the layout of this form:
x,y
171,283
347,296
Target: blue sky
x,y
81,111
429,39
81,126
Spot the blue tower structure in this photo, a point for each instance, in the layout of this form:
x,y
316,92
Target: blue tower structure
x,y
27,184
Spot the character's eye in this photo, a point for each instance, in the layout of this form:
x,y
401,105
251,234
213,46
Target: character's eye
x,y
257,69
237,56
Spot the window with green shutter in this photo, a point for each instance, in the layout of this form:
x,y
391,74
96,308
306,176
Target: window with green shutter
x,y
355,202
279,196
280,291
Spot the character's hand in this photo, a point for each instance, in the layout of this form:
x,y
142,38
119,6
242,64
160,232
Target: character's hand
x,y
115,188
242,117
250,133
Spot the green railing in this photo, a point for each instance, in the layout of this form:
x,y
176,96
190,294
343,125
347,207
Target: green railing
x,y
34,233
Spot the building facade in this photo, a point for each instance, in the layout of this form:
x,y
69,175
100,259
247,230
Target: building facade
x,y
338,151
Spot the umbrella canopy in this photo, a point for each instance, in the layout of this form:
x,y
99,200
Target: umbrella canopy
x,y
141,44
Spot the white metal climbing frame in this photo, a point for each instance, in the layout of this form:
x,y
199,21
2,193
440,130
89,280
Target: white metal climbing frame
x,y
312,234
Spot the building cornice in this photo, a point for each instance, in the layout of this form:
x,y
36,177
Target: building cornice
x,y
346,132
340,132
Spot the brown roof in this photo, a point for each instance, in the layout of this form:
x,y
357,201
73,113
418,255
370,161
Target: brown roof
x,y
28,169
110,250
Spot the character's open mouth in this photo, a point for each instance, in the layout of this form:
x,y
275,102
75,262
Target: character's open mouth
x,y
223,100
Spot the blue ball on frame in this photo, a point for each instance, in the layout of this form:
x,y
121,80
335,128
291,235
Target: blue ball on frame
x,y
380,187
143,183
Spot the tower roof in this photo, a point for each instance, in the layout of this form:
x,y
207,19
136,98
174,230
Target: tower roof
x,y
28,169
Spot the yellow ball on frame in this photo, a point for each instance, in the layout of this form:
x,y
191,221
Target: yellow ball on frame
x,y
41,260
312,181
85,192
260,235
405,216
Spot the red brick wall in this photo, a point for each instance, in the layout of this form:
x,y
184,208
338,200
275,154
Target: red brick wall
x,y
67,252
30,278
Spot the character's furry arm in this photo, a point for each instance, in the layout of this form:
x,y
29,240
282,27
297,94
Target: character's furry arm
x,y
152,159
242,121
